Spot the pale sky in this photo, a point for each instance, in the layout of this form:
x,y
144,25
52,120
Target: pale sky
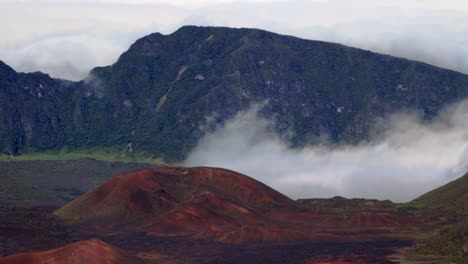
x,y
67,38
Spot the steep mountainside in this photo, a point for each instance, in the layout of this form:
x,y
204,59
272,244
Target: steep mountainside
x,y
36,111
163,93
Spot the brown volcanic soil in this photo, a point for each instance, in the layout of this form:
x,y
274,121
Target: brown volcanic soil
x,y
166,250
185,250
25,228
90,251
216,204
208,215
176,201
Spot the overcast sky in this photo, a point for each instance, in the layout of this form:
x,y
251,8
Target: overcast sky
x,y
67,38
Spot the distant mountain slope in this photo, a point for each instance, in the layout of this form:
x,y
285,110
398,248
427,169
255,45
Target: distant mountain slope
x,y
36,111
452,196
166,90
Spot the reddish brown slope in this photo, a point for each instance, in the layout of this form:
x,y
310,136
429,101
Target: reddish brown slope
x,y
90,251
215,204
174,201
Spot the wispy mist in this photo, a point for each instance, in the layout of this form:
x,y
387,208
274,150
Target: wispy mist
x,y
67,57
407,159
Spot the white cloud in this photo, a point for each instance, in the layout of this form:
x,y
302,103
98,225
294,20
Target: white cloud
x,y
409,159
431,31
190,3
76,54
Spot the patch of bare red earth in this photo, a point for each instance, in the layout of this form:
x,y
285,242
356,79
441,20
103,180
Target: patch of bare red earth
x,y
214,204
210,215
90,252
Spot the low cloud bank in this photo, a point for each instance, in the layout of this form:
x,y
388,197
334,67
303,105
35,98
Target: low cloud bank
x,y
407,159
69,57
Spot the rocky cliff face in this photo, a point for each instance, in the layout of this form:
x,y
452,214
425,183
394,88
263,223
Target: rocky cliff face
x,y
35,111
160,92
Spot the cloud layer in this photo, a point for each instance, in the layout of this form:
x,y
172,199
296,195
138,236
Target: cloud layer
x,y
69,37
408,159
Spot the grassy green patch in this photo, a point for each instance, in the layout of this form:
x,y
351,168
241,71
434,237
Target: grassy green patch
x,y
63,174
452,196
98,153
449,241
17,189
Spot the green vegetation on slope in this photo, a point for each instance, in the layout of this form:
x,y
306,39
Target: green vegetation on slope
x,y
13,188
111,154
452,196
450,241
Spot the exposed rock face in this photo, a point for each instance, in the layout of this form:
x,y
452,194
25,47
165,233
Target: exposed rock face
x,y
159,93
36,111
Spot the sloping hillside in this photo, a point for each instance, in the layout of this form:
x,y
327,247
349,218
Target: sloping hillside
x,y
90,251
213,203
452,196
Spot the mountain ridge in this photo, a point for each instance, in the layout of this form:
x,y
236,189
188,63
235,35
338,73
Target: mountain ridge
x,y
159,93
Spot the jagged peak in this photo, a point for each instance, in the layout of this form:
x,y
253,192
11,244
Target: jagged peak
x,y
141,42
5,67
6,72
